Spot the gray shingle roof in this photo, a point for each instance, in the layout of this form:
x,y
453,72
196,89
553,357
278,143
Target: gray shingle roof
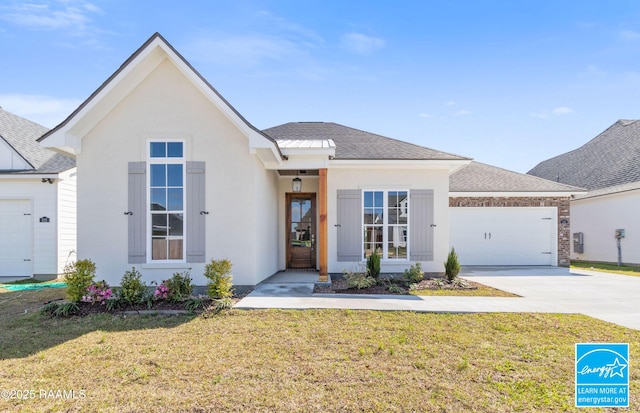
x,y
611,158
480,177
21,134
357,144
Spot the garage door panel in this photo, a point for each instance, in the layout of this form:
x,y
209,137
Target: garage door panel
x,y
504,236
16,236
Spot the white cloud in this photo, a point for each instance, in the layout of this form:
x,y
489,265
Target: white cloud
x,y
293,29
45,110
361,43
450,103
540,115
559,111
629,35
463,113
424,115
562,110
51,16
242,49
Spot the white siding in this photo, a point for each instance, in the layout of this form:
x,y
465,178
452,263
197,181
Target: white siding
x,y
598,218
10,160
66,218
43,201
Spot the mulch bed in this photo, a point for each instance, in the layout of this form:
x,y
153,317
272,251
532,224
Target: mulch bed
x,y
339,286
160,307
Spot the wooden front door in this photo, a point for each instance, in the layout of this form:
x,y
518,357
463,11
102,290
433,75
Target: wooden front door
x,y
301,230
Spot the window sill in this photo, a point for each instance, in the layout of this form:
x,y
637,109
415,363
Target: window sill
x,y
167,266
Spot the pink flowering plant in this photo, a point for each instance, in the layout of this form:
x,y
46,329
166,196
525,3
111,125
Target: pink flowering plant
x,y
98,292
161,293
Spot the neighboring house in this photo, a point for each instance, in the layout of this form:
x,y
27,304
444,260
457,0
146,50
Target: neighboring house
x,y
37,202
608,166
171,176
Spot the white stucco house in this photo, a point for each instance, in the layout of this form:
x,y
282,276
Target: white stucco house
x,y
608,166
37,202
170,176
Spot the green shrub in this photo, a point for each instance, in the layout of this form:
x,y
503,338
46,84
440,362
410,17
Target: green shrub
x,y
56,309
194,303
132,289
220,279
179,286
79,276
373,265
358,280
396,289
414,274
451,265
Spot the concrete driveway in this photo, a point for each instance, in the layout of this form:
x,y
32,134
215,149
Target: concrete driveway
x,y
609,297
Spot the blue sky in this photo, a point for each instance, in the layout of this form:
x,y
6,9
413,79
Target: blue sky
x,y
509,83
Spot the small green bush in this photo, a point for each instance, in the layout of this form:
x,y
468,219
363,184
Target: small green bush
x,y
373,265
358,280
220,279
79,276
396,289
414,274
55,309
179,286
132,289
451,265
194,303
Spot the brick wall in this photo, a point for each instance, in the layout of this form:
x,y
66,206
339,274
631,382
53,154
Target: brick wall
x,y
564,240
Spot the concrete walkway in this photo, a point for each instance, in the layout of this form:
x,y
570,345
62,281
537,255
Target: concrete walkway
x,y
609,297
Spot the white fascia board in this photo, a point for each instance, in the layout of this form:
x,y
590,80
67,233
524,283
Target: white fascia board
x,y
397,164
269,157
510,194
63,141
301,163
27,176
587,195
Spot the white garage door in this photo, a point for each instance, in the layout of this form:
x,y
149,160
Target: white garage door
x,y
504,236
15,238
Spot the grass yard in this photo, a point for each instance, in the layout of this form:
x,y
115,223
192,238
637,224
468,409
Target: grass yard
x,y
613,268
312,360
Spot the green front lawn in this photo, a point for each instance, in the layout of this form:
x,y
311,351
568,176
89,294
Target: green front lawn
x,y
291,360
613,268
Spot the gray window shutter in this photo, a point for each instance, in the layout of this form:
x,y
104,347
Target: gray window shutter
x,y
421,225
138,208
349,225
195,235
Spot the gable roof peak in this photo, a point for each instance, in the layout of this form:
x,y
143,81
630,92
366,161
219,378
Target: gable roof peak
x,y
138,58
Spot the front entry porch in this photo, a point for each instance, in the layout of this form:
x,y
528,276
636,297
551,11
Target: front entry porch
x,y
303,218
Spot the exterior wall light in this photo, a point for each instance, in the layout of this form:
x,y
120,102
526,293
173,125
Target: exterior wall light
x,y
296,184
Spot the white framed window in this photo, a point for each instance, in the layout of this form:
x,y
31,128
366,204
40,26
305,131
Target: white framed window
x,y
386,224
166,206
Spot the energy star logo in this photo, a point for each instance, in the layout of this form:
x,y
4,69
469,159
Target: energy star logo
x,y
602,375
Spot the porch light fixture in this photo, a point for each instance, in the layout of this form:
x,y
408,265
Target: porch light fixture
x,y
296,184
